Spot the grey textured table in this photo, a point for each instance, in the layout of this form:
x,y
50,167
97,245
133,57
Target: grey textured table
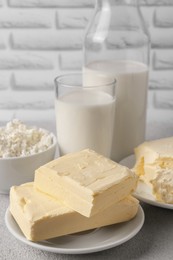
x,y
153,242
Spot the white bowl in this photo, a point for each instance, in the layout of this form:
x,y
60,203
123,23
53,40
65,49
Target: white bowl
x,y
18,170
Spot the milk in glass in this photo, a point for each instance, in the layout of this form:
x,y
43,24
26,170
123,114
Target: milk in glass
x,y
131,99
84,119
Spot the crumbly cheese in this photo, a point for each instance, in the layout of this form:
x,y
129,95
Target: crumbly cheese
x,y
158,152
17,139
154,164
41,217
85,181
163,186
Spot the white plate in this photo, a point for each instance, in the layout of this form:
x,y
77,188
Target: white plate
x,y
143,192
84,242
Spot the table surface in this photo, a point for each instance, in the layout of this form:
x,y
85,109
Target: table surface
x,y
153,242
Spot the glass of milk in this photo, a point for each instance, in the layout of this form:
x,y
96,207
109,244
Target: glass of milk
x,y
84,113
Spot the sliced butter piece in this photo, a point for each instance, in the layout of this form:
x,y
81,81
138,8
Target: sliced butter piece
x,y
42,217
85,181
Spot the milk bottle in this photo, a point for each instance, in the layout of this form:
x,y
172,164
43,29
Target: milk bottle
x,y
117,44
131,99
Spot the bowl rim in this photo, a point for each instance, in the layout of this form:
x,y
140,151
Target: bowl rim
x,y
35,154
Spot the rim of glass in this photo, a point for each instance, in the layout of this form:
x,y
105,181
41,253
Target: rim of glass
x,y
58,79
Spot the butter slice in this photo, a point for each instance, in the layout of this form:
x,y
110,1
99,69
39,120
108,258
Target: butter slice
x,y
154,164
85,181
41,217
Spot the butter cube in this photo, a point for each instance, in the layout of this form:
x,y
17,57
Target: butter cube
x,y
85,181
42,217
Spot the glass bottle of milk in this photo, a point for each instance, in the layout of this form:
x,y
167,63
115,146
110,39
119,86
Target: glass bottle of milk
x,y
117,44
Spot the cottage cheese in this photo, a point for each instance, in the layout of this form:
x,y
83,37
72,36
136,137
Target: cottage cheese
x,y
17,140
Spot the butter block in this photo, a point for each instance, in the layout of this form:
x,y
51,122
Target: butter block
x,y
85,181
42,217
154,164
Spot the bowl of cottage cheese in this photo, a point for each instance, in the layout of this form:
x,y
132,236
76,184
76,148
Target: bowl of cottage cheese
x,y
23,149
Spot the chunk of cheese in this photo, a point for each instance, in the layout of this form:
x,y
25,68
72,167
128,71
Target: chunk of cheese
x,y
85,181
163,186
153,161
156,153
42,217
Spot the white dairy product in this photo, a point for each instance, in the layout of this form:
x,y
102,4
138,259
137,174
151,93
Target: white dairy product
x,y
84,119
163,186
131,98
154,166
18,139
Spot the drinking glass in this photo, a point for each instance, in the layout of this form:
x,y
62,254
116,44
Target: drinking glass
x,y
84,113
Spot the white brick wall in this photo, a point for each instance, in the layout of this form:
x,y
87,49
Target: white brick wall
x,y
75,19
40,39
163,17
156,2
163,60
24,61
50,3
23,19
